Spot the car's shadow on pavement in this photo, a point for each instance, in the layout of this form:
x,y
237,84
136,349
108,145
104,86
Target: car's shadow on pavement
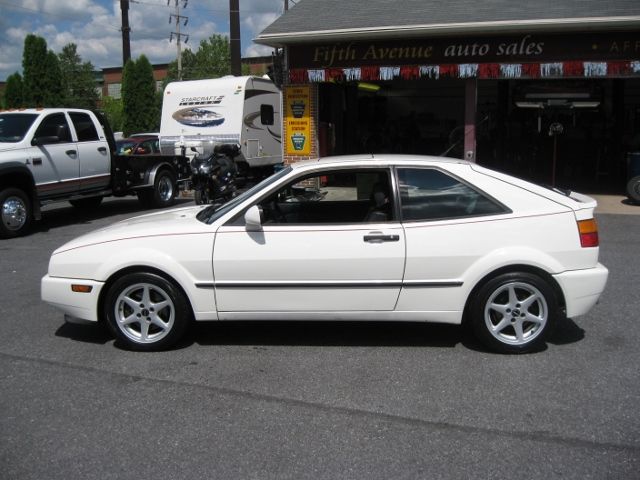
x,y
330,333
319,334
63,215
91,333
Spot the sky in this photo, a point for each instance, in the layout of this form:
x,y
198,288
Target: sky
x,y
94,26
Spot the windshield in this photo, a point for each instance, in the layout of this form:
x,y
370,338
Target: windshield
x,y
14,126
211,213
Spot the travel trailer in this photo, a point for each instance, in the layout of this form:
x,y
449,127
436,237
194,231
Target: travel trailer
x,y
197,115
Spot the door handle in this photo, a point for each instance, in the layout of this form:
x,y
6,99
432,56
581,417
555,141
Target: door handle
x,y
102,149
71,152
376,238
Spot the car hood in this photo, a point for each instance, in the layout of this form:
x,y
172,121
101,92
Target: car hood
x,y
180,221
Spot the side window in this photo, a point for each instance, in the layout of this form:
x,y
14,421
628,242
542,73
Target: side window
x,y
147,147
85,129
55,125
343,196
266,114
430,194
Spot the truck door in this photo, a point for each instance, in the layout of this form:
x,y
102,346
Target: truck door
x,y
93,153
54,157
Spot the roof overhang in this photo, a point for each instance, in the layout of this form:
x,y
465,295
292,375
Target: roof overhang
x,y
560,25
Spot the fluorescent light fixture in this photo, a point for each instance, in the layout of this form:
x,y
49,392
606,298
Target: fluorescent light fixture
x,y
529,104
545,96
592,104
369,87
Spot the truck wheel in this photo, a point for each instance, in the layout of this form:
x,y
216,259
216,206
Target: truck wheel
x,y
86,203
163,193
633,189
15,212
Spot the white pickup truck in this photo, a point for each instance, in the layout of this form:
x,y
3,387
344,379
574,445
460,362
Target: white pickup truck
x,y
64,154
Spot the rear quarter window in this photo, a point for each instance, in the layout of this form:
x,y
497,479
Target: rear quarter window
x,y
431,194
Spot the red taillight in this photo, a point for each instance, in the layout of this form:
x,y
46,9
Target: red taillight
x,y
588,233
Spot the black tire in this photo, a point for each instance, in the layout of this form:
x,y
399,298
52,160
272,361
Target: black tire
x,y
633,189
15,213
130,310
514,312
163,193
200,197
86,203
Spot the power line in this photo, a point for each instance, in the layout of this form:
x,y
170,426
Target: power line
x,y
179,18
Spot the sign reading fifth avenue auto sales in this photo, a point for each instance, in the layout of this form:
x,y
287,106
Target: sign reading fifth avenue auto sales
x,y
298,120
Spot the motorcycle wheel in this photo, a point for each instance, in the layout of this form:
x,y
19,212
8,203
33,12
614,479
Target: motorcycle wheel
x,y
200,197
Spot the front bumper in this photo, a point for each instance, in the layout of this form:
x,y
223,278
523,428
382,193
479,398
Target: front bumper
x,y
582,288
57,292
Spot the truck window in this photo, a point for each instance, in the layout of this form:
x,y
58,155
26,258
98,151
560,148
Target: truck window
x,y
14,126
266,114
85,129
55,125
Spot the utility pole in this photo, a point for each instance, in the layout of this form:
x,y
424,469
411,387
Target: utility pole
x,y
178,19
234,33
126,45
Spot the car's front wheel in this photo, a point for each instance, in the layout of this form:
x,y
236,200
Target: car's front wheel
x,y
146,312
514,312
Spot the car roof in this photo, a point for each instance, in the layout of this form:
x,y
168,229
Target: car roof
x,y
379,158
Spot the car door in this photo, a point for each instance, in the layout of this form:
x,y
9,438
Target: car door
x,y
54,160
329,242
93,153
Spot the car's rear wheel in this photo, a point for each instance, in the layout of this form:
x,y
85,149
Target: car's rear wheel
x,y
514,312
146,312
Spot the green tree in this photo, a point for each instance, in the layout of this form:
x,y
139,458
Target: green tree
x,y
78,83
13,91
42,85
113,110
54,92
211,60
140,107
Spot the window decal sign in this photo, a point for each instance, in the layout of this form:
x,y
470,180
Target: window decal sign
x,y
297,101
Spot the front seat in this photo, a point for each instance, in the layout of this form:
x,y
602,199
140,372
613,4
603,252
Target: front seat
x,y
379,211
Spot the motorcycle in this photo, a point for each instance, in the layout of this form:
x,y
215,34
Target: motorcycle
x,y
213,178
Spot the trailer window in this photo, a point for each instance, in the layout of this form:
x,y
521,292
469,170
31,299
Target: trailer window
x,y
266,114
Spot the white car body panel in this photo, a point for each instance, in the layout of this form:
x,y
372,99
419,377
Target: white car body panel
x,y
335,260
322,273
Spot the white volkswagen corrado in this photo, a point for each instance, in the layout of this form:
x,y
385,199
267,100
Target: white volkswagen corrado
x,y
382,237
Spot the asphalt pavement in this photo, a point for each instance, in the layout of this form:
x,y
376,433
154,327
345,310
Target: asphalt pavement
x,y
272,400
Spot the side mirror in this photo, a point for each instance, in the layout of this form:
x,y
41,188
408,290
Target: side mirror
x,y
252,219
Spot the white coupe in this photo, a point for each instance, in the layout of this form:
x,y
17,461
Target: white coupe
x,y
384,237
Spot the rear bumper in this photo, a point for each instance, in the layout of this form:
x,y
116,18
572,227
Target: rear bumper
x,y
582,288
57,292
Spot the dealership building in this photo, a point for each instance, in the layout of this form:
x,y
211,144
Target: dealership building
x,y
547,90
